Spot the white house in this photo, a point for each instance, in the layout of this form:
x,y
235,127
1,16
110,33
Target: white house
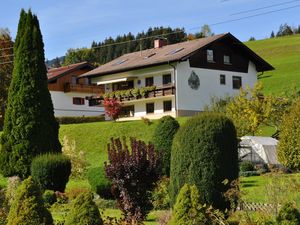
x,y
185,75
68,92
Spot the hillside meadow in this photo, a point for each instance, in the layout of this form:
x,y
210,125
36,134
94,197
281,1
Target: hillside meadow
x,y
283,53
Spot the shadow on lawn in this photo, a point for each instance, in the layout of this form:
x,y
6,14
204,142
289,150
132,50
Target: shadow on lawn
x,y
249,183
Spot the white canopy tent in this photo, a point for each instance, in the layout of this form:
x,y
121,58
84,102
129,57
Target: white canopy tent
x,y
258,149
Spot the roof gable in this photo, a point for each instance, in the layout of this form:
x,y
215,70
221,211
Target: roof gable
x,y
55,73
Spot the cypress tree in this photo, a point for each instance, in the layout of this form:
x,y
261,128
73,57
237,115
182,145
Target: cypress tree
x,y
30,127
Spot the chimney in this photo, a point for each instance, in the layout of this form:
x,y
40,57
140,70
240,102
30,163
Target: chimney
x,y
160,42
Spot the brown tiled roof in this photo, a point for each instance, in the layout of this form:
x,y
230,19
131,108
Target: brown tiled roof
x,y
58,72
167,54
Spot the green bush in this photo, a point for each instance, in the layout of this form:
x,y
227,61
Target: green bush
x,y
161,195
288,215
84,211
28,207
188,209
289,145
51,171
99,183
49,197
246,166
79,119
204,153
163,138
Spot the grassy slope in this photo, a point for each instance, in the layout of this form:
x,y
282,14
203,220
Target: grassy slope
x,y
93,138
284,54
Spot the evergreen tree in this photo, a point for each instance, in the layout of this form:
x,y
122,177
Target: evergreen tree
x,y
30,127
272,35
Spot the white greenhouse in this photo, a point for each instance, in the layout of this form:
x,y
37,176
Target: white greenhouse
x,y
259,150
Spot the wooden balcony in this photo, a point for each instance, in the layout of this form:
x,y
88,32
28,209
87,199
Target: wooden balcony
x,y
83,88
160,91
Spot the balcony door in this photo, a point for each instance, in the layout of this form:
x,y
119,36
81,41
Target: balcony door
x,y
123,85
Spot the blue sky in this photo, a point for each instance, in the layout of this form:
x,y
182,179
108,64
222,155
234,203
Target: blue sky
x,y
72,23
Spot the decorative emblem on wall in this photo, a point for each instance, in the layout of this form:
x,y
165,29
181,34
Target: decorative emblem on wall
x,y
194,81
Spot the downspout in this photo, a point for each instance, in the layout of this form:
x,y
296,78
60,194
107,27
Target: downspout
x,y
175,76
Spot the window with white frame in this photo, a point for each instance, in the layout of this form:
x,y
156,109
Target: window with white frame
x,y
210,55
227,59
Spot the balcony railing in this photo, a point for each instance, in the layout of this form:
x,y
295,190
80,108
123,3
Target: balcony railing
x,y
167,90
85,88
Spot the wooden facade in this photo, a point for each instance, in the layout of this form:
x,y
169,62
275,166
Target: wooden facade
x,y
238,62
67,80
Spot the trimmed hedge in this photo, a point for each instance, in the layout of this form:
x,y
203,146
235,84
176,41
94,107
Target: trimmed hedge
x,y
51,171
163,138
204,153
79,119
99,183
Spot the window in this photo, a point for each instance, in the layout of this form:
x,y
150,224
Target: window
x,y
227,59
74,80
127,111
167,106
236,82
210,55
149,81
150,108
78,101
167,79
222,79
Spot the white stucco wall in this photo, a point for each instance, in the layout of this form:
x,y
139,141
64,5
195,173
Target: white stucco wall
x,y
63,105
190,99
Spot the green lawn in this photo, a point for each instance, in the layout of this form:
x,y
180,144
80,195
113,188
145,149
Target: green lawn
x,y
255,189
284,54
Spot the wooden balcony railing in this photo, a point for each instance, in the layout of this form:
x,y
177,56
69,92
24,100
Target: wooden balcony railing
x,y
94,89
158,92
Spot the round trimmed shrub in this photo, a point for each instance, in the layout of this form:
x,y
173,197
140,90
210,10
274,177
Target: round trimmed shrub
x,y
163,138
51,171
28,207
205,153
288,215
84,211
99,183
289,144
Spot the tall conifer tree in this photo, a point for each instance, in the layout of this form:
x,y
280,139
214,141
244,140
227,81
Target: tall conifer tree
x,y
30,127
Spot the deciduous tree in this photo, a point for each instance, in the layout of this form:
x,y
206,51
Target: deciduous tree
x,y
6,68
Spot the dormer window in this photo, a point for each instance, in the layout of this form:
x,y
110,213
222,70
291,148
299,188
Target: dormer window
x,y
210,55
227,59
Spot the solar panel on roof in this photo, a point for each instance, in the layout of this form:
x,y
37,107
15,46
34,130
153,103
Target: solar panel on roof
x,y
120,62
174,51
152,54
